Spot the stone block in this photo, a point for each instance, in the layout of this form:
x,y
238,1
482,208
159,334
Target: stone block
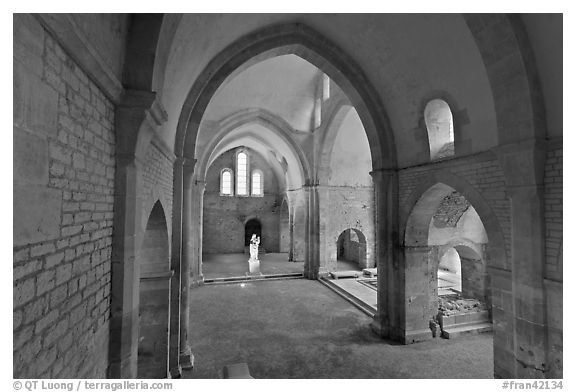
x,y
36,214
28,268
40,250
45,321
45,282
24,292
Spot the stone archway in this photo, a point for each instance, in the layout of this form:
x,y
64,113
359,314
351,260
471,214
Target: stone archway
x,y
154,293
270,42
421,260
351,247
252,226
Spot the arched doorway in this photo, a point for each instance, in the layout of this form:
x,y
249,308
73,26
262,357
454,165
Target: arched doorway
x,y
444,231
252,226
449,273
309,45
351,250
155,276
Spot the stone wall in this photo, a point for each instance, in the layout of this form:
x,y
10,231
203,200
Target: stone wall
x,y
63,211
224,217
343,208
481,171
553,210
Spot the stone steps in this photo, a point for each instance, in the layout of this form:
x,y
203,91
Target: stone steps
x,y
363,306
239,279
457,330
345,274
371,272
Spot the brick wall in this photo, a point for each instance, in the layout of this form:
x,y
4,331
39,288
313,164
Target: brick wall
x,y
64,161
553,211
481,171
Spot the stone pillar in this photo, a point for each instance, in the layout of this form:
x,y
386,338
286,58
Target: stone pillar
x,y
125,272
523,165
386,244
176,263
298,224
555,335
312,238
154,318
419,303
186,358
327,256
196,228
137,117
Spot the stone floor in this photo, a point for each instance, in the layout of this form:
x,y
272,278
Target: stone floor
x,y
448,282
299,328
236,265
346,265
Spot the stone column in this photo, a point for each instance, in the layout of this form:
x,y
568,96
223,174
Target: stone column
x,y
125,272
154,315
386,243
176,263
137,117
312,261
418,305
299,223
326,254
196,228
186,358
523,165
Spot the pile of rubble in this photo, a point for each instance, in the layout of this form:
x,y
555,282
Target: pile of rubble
x,y
449,305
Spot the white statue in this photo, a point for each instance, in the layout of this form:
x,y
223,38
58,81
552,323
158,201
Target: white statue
x,y
253,262
254,242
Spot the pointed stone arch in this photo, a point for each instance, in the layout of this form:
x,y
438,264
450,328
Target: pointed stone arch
x,y
305,42
271,122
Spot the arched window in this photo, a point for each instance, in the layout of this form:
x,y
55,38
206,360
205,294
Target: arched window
x,y
242,174
439,124
257,183
226,182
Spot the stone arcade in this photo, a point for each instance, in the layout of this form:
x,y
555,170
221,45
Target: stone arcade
x,y
149,146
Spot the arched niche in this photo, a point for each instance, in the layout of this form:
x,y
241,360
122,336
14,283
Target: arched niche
x,y
351,247
252,226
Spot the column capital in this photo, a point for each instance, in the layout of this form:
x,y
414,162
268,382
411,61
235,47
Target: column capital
x,y
381,174
147,101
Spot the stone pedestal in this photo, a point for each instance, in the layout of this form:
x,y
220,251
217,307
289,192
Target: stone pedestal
x,y
254,267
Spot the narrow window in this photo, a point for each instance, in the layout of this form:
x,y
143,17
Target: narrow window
x,y
439,124
257,183
325,87
226,182
242,174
